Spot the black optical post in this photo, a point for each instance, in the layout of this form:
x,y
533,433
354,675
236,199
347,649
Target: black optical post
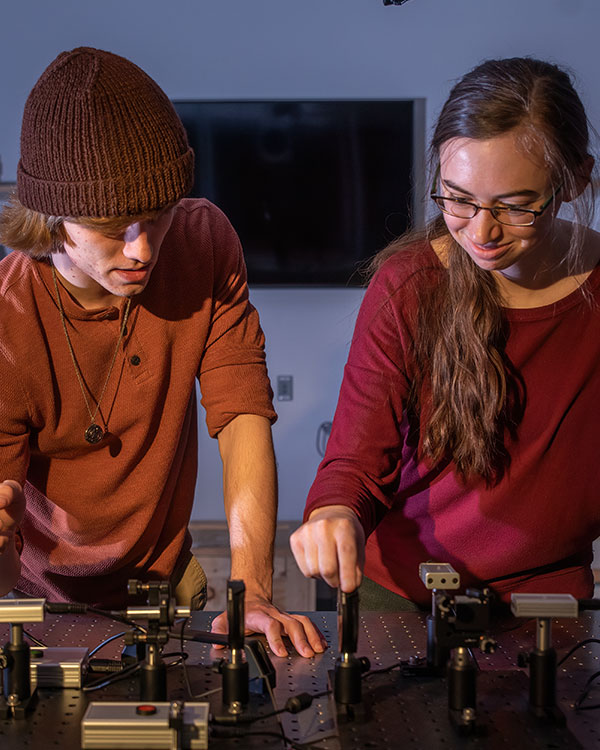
x,y
439,578
457,623
235,671
19,696
542,660
347,677
160,613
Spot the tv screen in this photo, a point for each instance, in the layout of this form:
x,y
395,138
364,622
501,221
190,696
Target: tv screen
x,y
313,188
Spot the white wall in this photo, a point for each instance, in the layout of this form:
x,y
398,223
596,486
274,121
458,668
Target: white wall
x,y
308,333
294,49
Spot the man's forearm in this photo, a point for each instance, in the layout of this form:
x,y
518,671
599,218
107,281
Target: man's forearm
x,y
252,540
250,494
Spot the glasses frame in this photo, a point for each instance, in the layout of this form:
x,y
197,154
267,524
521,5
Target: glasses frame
x,y
495,210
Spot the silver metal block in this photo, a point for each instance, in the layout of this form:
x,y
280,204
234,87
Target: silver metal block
x,y
146,612
20,611
439,576
121,725
544,605
59,667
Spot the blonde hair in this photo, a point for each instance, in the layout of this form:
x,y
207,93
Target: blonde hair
x,y
39,235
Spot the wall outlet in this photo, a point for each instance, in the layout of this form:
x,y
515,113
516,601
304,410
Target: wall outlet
x,y
285,387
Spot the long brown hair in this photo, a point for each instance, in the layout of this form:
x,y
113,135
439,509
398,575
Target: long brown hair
x,y
460,331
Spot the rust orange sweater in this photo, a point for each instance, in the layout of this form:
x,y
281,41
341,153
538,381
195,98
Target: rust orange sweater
x,y
99,514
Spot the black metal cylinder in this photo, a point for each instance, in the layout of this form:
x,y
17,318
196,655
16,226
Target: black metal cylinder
x,y
153,682
542,678
462,684
17,679
437,656
347,682
235,683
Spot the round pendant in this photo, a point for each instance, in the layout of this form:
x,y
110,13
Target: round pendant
x,y
94,433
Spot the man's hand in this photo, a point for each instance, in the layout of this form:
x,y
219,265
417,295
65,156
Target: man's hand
x,y
264,617
12,510
249,490
331,546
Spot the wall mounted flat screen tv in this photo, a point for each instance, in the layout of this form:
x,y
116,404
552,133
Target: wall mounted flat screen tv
x,y
313,188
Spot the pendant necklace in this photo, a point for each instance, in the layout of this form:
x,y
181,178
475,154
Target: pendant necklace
x,y
94,432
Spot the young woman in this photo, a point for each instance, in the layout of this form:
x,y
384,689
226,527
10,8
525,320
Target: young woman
x,y
466,428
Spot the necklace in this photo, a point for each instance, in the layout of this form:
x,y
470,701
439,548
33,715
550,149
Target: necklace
x,y
94,432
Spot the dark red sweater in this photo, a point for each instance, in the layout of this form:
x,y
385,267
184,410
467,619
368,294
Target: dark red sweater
x,y
545,510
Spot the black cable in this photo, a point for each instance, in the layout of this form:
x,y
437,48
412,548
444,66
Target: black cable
x,y
323,433
314,696
293,705
584,694
118,617
239,719
203,637
235,725
384,670
183,657
274,704
35,640
105,682
577,646
225,732
130,671
186,675
474,658
77,608
106,642
305,745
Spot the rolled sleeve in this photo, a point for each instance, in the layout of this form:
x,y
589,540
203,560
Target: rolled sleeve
x,y
233,373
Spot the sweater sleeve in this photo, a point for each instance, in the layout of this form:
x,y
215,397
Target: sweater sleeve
x,y
233,374
15,415
362,463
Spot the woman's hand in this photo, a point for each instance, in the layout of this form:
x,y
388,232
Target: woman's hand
x,y
331,546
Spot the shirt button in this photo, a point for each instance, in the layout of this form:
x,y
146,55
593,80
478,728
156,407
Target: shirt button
x,y
135,360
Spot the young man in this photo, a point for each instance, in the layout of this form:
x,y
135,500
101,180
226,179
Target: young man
x,y
124,292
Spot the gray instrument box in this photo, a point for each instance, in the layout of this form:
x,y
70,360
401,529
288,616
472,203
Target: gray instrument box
x,y
121,725
58,667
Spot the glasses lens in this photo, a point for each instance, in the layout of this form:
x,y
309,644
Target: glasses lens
x,y
457,208
514,217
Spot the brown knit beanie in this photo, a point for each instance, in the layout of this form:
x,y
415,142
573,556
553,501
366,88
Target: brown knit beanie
x,y
100,139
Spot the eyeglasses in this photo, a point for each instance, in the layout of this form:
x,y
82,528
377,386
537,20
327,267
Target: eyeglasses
x,y
510,215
